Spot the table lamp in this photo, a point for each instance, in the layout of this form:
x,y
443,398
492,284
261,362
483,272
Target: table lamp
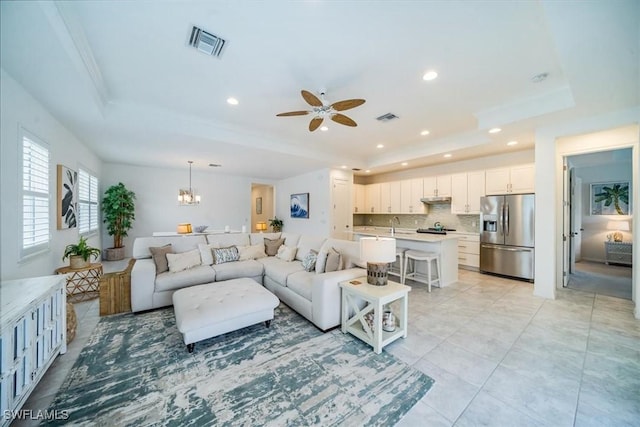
x,y
184,228
378,252
261,226
618,226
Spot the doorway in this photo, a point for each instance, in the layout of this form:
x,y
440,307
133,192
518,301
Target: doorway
x,y
262,205
591,219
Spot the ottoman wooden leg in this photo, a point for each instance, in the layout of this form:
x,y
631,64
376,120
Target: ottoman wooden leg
x,y
267,323
190,347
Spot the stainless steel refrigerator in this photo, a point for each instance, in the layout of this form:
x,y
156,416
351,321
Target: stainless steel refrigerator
x,y
507,235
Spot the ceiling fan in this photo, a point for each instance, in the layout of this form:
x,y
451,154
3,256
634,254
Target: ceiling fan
x,y
321,110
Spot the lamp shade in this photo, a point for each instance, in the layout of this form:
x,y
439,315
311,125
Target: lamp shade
x,y
184,228
378,249
261,226
618,225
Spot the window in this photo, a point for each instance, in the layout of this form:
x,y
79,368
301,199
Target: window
x,y
35,195
87,202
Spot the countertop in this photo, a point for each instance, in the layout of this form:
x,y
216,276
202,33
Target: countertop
x,y
406,234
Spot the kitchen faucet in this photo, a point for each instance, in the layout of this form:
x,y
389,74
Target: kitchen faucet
x,y
393,229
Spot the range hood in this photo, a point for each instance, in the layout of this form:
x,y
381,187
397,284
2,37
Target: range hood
x,y
436,200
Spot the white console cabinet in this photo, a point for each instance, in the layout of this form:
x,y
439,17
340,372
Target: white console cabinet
x,y
33,332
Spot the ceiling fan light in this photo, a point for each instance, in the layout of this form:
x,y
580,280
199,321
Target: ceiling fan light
x,y
424,132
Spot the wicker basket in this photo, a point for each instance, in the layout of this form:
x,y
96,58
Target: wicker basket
x,y
76,262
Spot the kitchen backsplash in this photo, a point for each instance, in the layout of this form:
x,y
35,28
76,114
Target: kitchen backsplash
x,y
437,213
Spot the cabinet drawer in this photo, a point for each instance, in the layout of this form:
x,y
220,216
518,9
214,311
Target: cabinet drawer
x,y
469,247
469,260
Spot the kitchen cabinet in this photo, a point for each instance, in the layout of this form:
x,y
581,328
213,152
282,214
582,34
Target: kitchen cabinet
x,y
411,191
33,333
466,191
437,186
468,250
372,197
390,197
359,198
516,179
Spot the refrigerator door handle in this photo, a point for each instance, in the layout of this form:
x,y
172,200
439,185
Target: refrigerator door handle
x,y
506,219
503,248
501,219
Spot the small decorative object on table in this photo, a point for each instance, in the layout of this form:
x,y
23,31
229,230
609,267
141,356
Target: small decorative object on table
x,y
388,321
80,254
276,224
201,228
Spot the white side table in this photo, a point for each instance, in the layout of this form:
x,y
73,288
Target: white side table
x,y
618,252
376,297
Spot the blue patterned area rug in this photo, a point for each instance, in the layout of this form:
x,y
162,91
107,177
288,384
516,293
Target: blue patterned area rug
x,y
135,370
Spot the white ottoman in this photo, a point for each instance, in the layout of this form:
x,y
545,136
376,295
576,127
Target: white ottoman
x,y
212,309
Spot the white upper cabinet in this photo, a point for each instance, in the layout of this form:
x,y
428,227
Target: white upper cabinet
x,y
437,186
411,191
466,190
372,197
359,198
390,197
516,179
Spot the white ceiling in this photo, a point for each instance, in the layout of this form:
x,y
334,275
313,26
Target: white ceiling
x,y
120,75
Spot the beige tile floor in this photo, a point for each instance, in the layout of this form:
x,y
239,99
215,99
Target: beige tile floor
x,y
499,355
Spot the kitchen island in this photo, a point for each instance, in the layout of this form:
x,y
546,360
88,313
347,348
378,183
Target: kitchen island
x,y
444,244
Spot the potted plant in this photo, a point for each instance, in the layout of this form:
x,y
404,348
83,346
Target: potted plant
x,y
276,224
79,254
119,213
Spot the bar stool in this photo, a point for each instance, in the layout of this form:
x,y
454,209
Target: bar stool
x,y
400,259
419,256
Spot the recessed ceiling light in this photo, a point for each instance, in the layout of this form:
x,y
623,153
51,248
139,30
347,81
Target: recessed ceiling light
x,y
424,133
232,101
404,163
429,75
512,142
324,128
447,155
343,166
380,146
368,171
495,130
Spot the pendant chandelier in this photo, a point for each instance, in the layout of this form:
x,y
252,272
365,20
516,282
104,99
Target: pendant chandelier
x,y
187,197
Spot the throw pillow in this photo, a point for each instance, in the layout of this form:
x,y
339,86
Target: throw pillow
x,y
222,255
286,253
334,261
309,261
251,252
205,252
271,246
183,260
159,255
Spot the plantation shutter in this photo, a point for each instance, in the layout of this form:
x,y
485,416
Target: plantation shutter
x,y
87,202
35,196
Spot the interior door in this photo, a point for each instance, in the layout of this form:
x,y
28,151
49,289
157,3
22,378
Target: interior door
x,y
576,221
341,212
566,222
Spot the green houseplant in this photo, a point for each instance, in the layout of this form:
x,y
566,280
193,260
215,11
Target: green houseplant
x,y
118,208
276,224
80,253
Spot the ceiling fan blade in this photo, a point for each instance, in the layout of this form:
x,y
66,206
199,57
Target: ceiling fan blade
x,y
315,123
293,113
343,120
347,104
311,99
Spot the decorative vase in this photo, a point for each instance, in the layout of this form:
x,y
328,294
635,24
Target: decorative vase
x,y
77,262
113,254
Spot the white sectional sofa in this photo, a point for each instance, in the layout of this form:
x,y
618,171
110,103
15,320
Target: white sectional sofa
x,y
314,294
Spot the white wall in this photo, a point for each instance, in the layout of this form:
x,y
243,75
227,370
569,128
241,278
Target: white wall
x,y
595,226
226,199
318,185
18,108
549,154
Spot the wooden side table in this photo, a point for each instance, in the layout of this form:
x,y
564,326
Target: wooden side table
x,y
82,283
115,291
376,297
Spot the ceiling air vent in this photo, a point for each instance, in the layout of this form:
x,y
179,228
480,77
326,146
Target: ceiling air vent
x,y
206,42
387,117
356,169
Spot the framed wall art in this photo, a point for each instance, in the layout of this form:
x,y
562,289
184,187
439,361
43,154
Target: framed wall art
x,y
610,198
67,198
300,205
258,205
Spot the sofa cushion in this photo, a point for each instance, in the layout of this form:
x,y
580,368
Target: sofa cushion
x,y
349,250
159,255
333,262
258,238
286,253
234,270
271,246
251,252
205,252
309,262
141,245
194,276
279,270
183,260
224,240
306,243
300,283
222,255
